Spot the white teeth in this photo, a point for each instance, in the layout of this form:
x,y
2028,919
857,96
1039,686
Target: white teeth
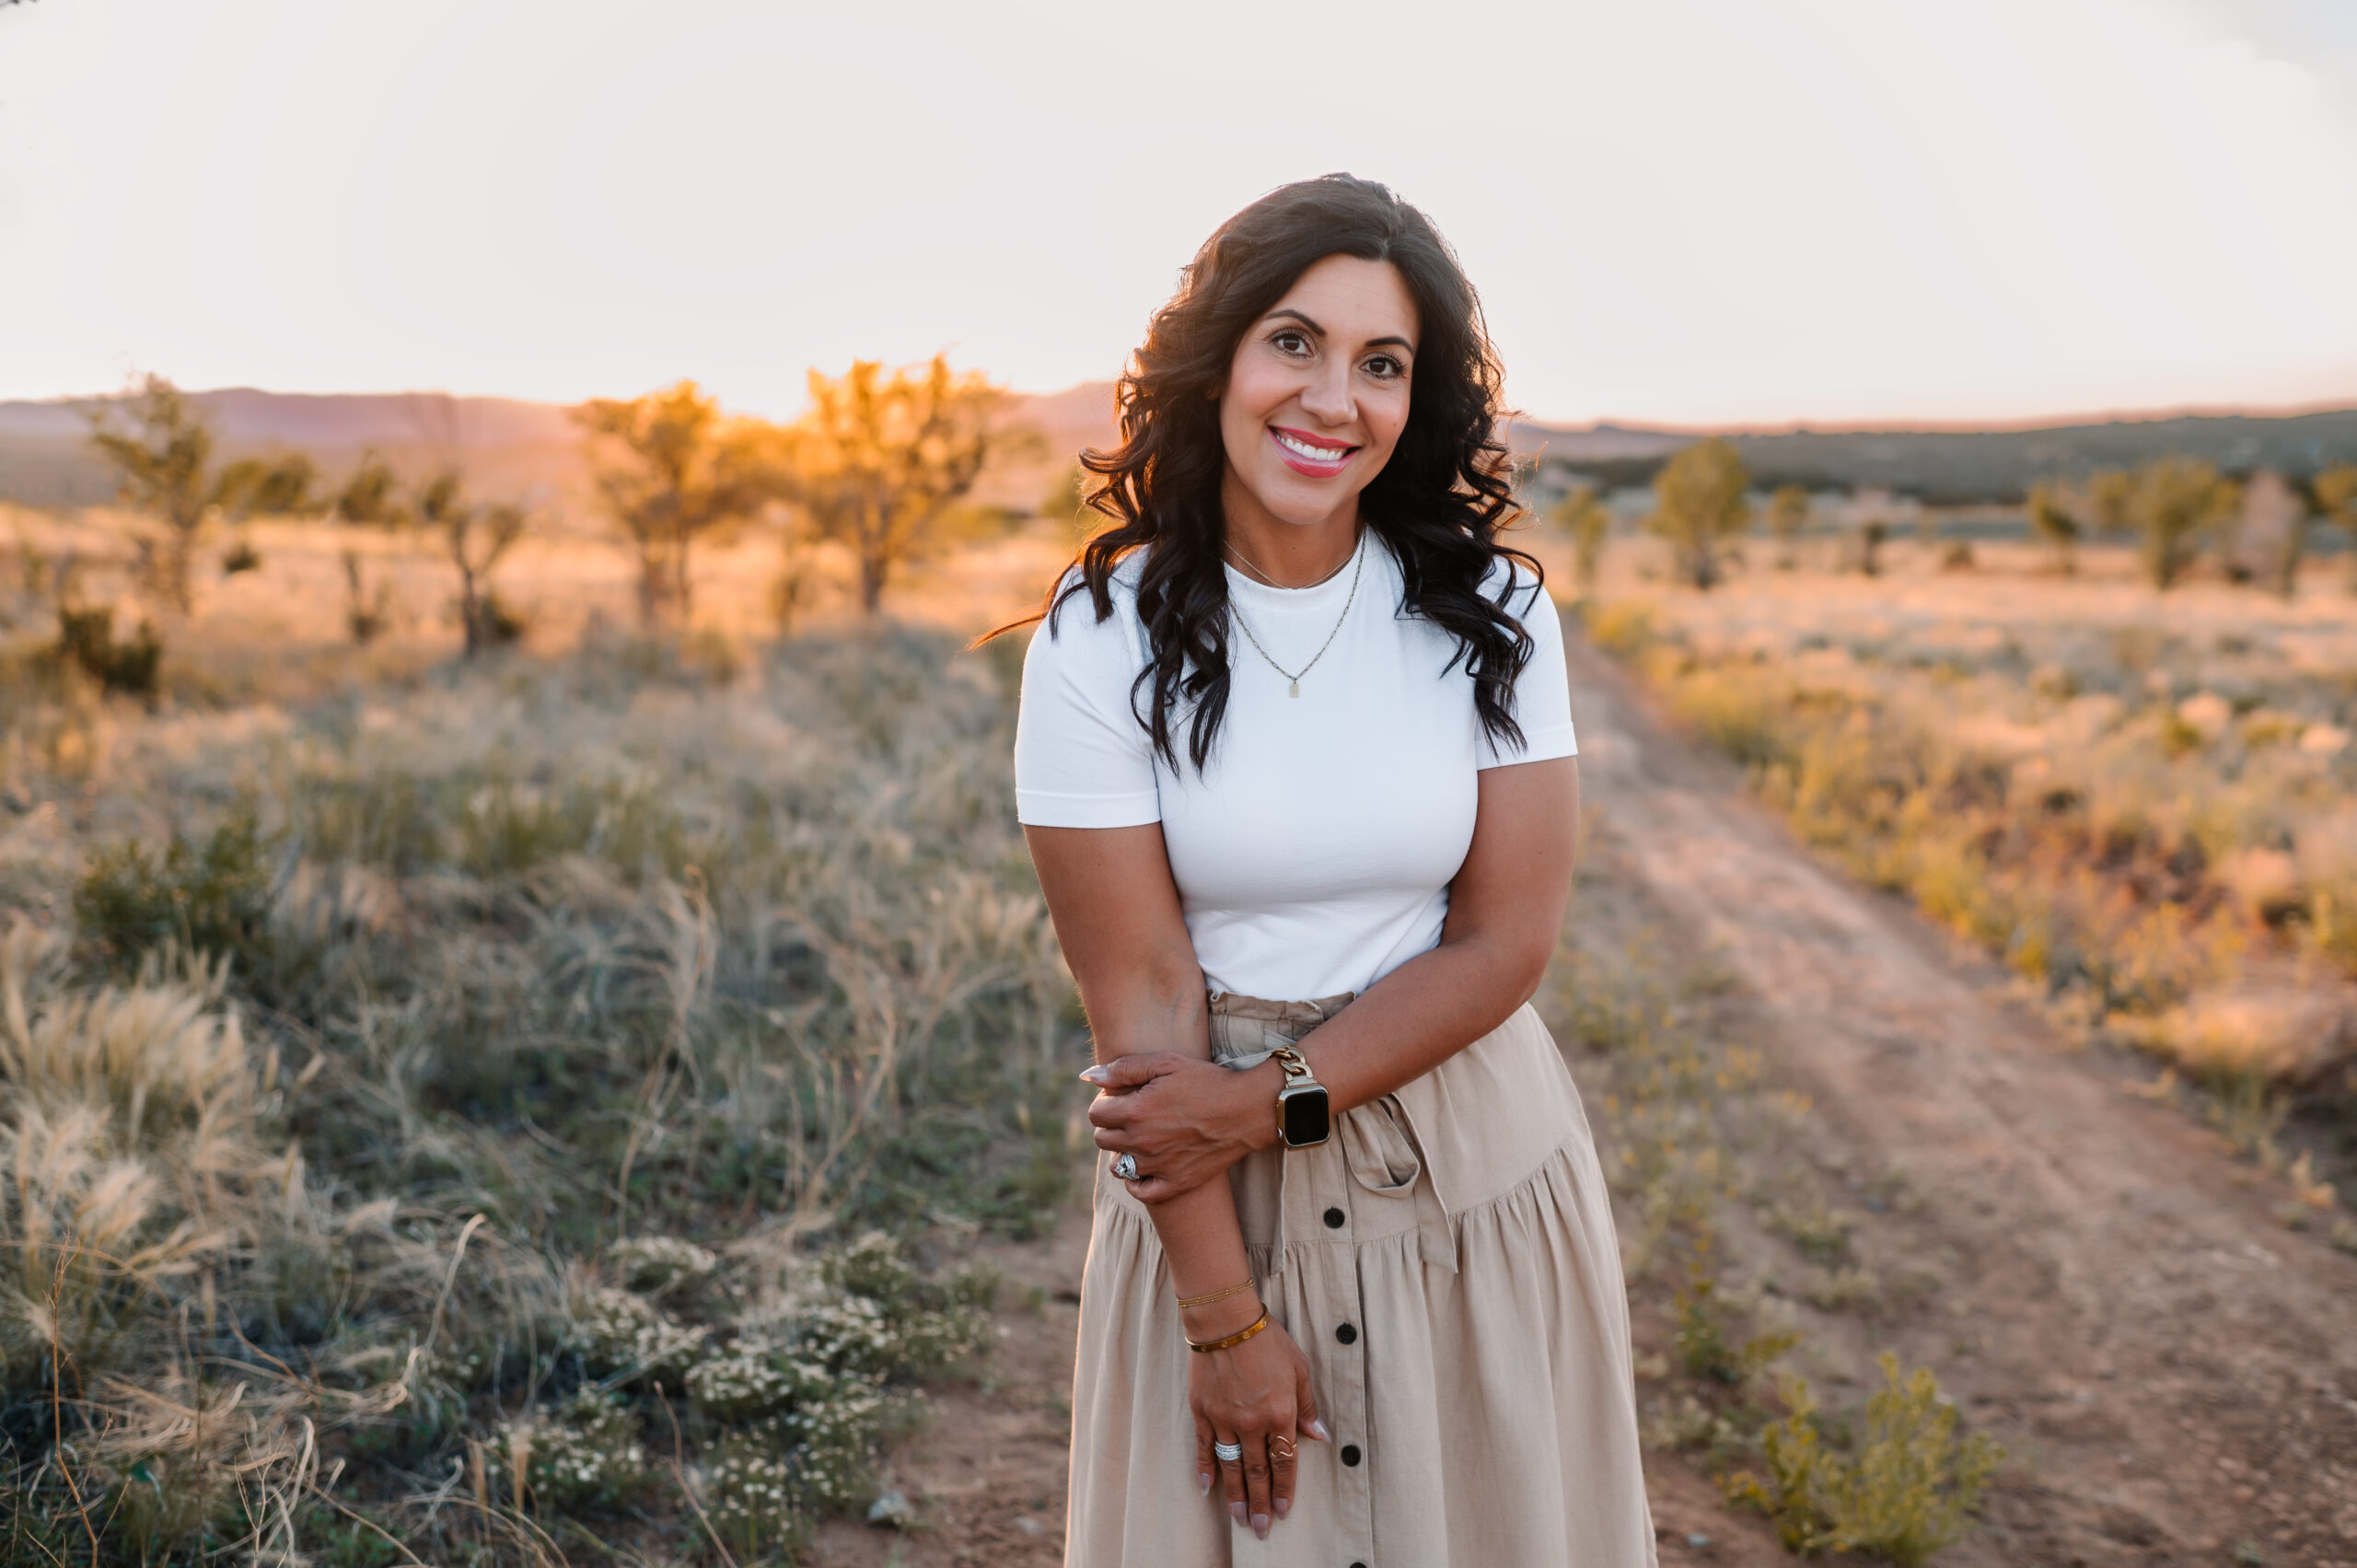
x,y
1314,454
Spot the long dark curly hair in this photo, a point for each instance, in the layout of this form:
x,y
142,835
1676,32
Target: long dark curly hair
x,y
1439,504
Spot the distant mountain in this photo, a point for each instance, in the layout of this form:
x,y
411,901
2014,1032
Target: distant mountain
x,y
1958,467
511,445
508,444
45,457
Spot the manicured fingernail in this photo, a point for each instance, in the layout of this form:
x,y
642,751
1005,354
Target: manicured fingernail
x,y
1097,1075
1317,1429
1261,1526
1284,1506
1235,1512
1202,1485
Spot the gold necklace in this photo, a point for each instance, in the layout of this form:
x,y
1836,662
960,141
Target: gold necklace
x,y
1294,690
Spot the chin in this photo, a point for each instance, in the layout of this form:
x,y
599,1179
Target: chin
x,y
1304,502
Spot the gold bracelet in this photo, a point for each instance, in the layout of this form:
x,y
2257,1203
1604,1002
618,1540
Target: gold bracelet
x,y
1235,1338
1215,1295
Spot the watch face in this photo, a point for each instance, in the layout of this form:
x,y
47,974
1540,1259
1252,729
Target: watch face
x,y
1304,1117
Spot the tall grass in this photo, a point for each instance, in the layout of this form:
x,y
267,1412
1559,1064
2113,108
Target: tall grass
x,y
497,1119
2153,829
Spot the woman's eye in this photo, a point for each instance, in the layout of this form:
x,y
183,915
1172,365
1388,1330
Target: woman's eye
x,y
1383,366
1291,342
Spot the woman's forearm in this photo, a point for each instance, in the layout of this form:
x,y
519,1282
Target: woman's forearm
x,y
1417,1016
1201,1235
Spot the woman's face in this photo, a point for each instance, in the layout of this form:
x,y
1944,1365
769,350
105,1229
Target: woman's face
x,y
1318,392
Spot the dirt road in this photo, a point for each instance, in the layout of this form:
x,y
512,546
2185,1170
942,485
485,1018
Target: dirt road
x,y
2114,1298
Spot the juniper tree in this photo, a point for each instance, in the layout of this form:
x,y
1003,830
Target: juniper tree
x,y
1698,502
880,461
2056,526
1589,522
162,462
671,468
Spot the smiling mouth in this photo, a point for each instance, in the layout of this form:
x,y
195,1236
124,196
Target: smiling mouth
x,y
1304,451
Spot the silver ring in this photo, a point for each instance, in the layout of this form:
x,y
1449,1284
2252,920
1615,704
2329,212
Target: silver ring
x,y
1228,1453
1126,1167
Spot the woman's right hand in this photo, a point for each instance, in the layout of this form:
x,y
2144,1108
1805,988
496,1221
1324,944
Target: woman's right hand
x,y
1257,1395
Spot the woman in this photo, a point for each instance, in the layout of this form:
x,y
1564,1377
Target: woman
x,y
1296,765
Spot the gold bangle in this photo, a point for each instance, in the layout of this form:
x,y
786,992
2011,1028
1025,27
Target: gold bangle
x,y
1235,1338
1215,1295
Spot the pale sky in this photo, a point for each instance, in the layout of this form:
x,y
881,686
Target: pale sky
x,y
1686,211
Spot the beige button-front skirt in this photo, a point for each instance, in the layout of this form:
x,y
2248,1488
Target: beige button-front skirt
x,y
1447,1262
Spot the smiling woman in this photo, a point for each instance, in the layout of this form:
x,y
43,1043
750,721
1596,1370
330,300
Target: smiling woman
x,y
1352,1261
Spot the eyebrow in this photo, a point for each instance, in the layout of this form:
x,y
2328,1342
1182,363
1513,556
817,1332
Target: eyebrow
x,y
1371,343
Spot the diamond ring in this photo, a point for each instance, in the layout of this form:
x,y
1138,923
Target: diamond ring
x,y
1228,1453
1126,1167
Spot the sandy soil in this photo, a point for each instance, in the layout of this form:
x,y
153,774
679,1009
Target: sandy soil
x,y
2173,1374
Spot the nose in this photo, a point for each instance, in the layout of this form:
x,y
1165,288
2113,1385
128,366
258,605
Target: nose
x,y
1328,397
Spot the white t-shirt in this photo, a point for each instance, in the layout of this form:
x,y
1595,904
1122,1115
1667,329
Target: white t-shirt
x,y
1313,856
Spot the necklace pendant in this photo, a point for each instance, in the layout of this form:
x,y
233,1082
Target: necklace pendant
x,y
1294,691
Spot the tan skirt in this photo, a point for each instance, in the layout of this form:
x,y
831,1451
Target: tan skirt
x,y
1447,1263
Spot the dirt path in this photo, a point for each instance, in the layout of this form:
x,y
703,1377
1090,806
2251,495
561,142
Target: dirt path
x,y
2120,1306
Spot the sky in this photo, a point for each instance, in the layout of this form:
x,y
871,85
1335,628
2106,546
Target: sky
x,y
1692,212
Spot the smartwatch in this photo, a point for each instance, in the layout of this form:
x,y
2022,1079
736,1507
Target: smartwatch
x,y
1303,1115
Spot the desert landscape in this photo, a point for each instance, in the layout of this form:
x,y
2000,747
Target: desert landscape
x,y
609,1096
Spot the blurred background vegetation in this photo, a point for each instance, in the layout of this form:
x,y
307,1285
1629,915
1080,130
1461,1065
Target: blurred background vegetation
x,y
522,994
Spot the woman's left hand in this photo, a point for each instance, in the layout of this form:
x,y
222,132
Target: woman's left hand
x,y
1183,1120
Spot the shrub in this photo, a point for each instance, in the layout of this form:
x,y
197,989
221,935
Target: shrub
x,y
2176,503
1622,630
85,640
752,1487
1905,1493
1706,1345
754,1378
585,1451
1699,502
212,900
624,1336
660,1263
836,1439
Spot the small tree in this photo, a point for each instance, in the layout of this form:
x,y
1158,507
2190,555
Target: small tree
x,y
1874,532
1788,518
1589,522
2055,527
474,535
2332,496
367,501
264,487
879,461
2109,497
162,463
2177,502
268,487
1698,502
669,470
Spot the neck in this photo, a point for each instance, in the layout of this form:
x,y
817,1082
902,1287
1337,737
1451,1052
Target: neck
x,y
1287,555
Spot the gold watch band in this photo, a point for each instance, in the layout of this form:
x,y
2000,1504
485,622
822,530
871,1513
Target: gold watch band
x,y
1297,1070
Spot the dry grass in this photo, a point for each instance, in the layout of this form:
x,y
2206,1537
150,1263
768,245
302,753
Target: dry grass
x,y
584,1046
2142,804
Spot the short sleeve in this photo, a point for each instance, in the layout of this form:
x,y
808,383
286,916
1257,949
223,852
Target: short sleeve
x,y
1081,757
1542,696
